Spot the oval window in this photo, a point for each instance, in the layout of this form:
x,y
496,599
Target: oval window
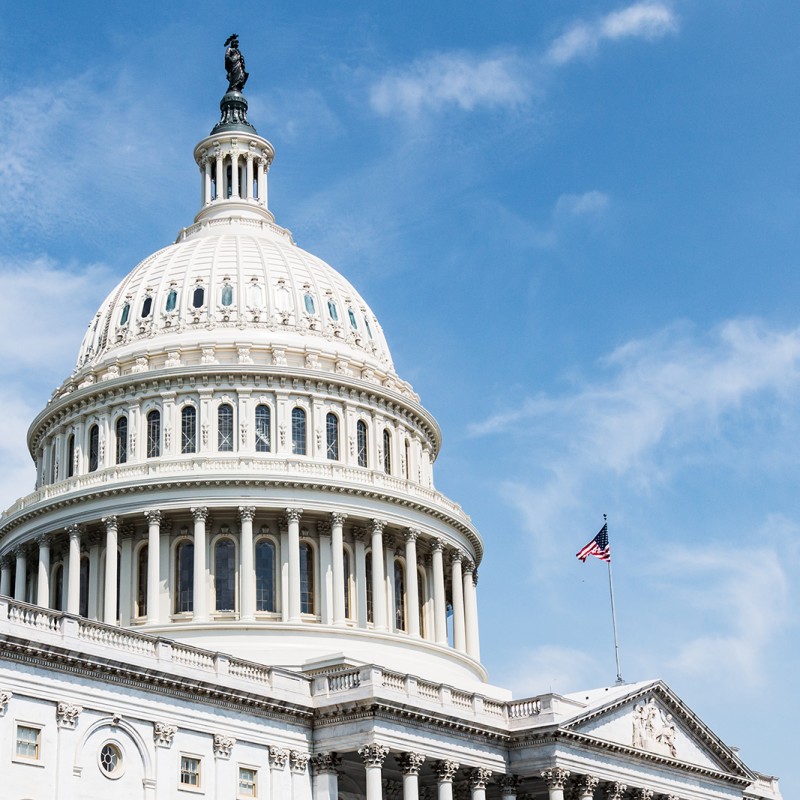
x,y
110,759
227,295
198,297
353,323
309,301
126,310
147,306
333,311
172,300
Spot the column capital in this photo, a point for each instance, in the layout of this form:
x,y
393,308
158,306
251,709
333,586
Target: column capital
x,y
479,777
6,561
338,518
74,531
293,514
67,715
509,785
299,761
223,745
412,534
437,545
411,763
555,777
247,513
324,528
200,513
456,555
445,770
360,534
615,791
153,516
388,541
587,785
643,794
20,551
378,525
373,755
278,757
110,522
164,733
325,763
44,540
468,566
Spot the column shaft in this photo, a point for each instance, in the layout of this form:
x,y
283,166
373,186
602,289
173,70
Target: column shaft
x,y
74,577
410,786
234,174
153,558
293,520
20,576
43,584
207,182
337,560
439,602
219,182
378,578
459,633
110,599
471,611
5,579
199,594
248,189
247,574
361,579
412,584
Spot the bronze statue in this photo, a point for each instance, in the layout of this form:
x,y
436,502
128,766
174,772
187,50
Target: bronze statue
x,y
234,65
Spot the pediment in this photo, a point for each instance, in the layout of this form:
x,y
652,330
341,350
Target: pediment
x,y
653,720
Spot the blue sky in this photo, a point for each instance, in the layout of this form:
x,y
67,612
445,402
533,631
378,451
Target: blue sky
x,y
577,222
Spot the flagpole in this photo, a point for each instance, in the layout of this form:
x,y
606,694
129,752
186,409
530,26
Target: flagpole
x,y
613,615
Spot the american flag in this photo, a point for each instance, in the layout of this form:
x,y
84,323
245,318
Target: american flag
x,y
598,547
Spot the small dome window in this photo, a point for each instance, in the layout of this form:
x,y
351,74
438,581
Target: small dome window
x,y
227,295
126,310
369,330
172,300
333,311
147,306
353,322
255,297
309,302
110,758
198,297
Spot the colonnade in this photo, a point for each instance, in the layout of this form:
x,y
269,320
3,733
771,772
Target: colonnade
x,y
253,183
346,593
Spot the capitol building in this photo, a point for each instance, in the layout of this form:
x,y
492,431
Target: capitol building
x,y
235,577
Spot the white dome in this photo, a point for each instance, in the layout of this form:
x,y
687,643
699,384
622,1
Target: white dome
x,y
230,280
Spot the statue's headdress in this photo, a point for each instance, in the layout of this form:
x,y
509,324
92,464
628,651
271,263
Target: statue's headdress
x,y
233,39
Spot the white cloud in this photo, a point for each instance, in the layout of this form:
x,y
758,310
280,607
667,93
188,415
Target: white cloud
x,y
460,80
646,20
589,203
547,668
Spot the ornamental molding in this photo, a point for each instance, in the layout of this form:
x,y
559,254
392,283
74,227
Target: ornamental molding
x,y
325,763
410,762
299,761
278,757
223,745
445,770
164,733
5,697
67,715
373,755
555,777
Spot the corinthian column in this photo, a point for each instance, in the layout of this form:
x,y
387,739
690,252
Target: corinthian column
x,y
586,787
153,517
110,597
74,577
412,583
373,756
378,577
445,772
556,779
337,561
509,786
471,611
411,763
247,576
459,635
20,574
478,778
326,777
200,602
293,524
43,587
5,576
439,603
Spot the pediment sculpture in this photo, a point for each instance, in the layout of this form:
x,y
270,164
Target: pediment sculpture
x,y
654,729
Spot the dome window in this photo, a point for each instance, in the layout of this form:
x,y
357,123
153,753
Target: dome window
x,y
94,448
353,322
265,575
361,442
154,434
225,428
333,311
147,306
369,330
387,452
126,310
306,579
309,303
227,295
224,575
121,433
184,577
332,437
172,300
298,431
198,297
263,429
188,430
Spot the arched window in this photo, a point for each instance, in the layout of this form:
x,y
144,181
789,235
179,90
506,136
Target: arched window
x,y
126,310
369,330
71,456
333,311
198,297
408,460
399,595
58,588
308,300
172,300
154,434
141,582
306,579
184,577
188,429
147,306
346,569
265,575
94,447
368,577
263,429
83,600
351,314
225,428
387,451
226,297
225,575
121,435
332,436
298,431
361,442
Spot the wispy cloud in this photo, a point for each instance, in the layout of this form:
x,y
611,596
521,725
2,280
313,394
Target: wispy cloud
x,y
589,203
647,20
547,668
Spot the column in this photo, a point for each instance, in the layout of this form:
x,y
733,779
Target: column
x,y
299,775
459,633
643,794
5,576
470,610
94,575
127,574
445,772
378,577
284,573
359,535
391,610
411,763
556,779
153,517
248,189
326,778
234,175
478,778
337,560
279,777
325,573
247,573
616,791
373,756
110,601
412,583
199,599
218,178
74,577
586,787
509,786
43,584
206,181
439,602
21,574
262,182
293,543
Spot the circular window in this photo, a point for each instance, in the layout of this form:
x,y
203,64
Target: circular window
x,y
110,759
